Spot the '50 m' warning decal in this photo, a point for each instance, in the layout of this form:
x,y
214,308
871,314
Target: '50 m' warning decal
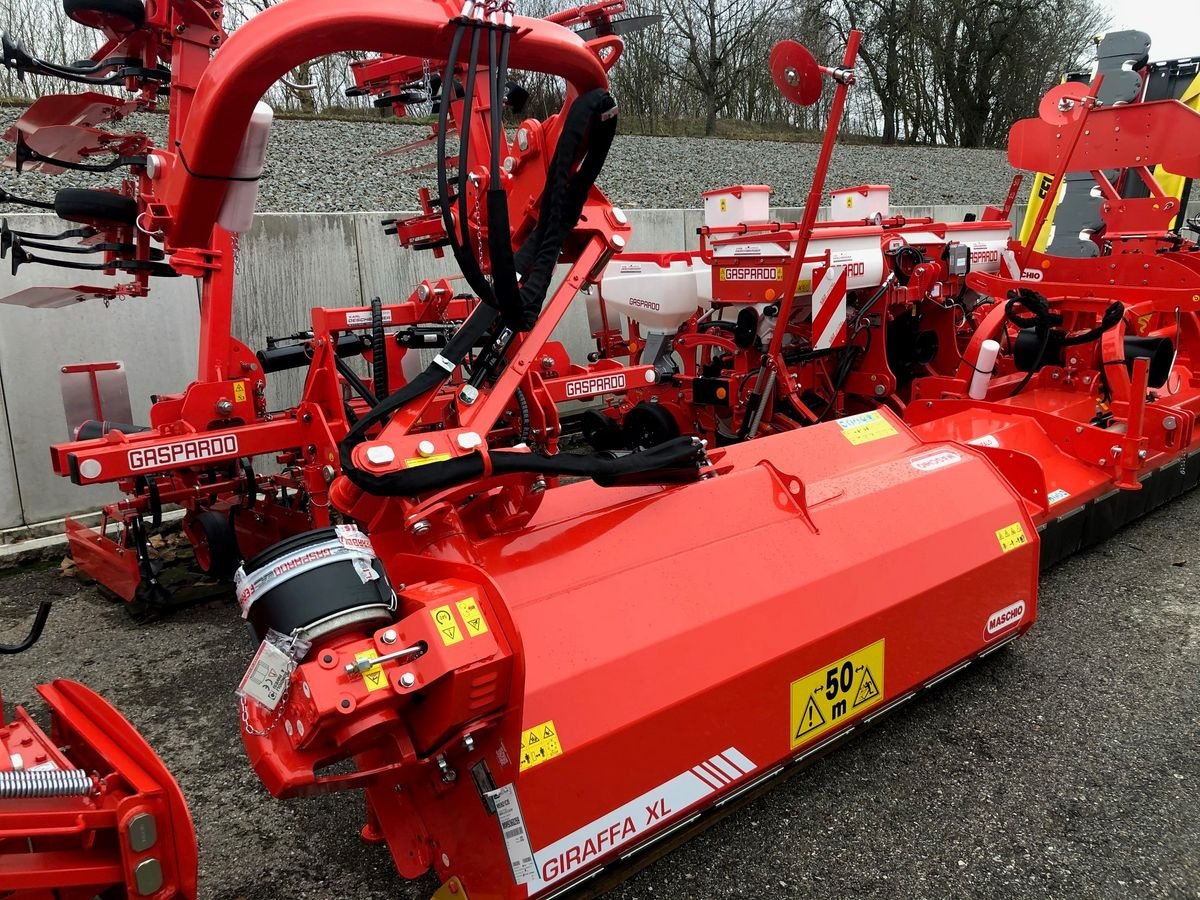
x,y
823,699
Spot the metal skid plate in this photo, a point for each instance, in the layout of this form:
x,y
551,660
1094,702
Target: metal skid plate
x,y
97,391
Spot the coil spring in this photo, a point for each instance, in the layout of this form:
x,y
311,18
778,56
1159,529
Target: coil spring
x,y
29,784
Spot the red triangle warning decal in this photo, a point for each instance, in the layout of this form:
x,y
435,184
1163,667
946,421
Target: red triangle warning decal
x,y
867,690
810,720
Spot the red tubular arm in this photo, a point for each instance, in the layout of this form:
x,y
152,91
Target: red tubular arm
x,y
276,41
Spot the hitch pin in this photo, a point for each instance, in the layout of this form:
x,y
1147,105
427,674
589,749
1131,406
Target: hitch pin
x,y
361,665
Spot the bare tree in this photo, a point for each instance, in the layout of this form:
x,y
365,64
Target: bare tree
x,y
717,49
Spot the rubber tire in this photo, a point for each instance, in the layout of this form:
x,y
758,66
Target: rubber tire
x,y
88,206
121,16
220,544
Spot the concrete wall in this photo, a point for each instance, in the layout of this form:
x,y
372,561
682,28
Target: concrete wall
x,y
287,264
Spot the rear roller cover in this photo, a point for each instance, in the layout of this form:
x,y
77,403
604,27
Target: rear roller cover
x,y
87,206
121,16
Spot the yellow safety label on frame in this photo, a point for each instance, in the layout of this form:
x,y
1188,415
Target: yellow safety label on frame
x,y
374,677
239,391
414,461
823,699
446,624
472,616
539,744
865,427
1012,537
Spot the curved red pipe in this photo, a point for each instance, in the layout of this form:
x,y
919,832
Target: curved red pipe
x,y
276,41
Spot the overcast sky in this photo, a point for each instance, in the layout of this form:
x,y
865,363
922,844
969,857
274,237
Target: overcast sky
x,y
1173,25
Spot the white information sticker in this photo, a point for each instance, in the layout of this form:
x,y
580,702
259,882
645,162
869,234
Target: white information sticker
x,y
267,676
516,838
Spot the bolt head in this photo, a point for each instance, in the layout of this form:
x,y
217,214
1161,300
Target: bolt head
x,y
426,448
380,454
538,485
420,527
469,394
424,291
1170,423
224,407
408,679
469,440
522,139
389,636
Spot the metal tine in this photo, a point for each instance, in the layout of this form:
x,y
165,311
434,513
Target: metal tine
x,y
86,232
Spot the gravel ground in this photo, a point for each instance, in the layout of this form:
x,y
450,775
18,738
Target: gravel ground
x,y
1065,766
335,167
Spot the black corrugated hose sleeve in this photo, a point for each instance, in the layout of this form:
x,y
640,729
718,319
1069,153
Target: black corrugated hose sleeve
x,y
592,117
683,455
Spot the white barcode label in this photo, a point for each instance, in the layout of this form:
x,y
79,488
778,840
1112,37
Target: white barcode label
x,y
267,675
516,838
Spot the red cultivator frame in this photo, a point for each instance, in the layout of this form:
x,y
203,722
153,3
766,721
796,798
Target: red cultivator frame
x,y
88,810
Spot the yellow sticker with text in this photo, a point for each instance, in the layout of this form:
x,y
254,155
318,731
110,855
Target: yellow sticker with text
x,y
865,427
446,624
425,460
472,616
539,744
824,699
239,391
1012,537
373,678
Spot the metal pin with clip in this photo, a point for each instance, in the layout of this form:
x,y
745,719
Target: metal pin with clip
x,y
361,665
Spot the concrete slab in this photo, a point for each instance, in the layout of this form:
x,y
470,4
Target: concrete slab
x,y
289,264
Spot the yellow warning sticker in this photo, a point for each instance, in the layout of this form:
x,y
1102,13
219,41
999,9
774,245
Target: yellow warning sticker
x,y
472,616
425,460
539,744
865,427
1012,537
446,624
373,677
239,391
823,699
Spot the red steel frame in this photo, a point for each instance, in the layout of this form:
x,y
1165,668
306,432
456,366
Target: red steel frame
x,y
75,847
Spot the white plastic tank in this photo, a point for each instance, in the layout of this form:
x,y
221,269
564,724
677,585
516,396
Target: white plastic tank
x,y
237,210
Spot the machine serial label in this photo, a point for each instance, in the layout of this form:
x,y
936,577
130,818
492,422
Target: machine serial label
x,y
539,744
598,384
750,273
1012,537
824,699
195,450
865,427
629,823
516,838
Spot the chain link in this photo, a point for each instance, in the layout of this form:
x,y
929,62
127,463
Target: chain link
x,y
276,717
